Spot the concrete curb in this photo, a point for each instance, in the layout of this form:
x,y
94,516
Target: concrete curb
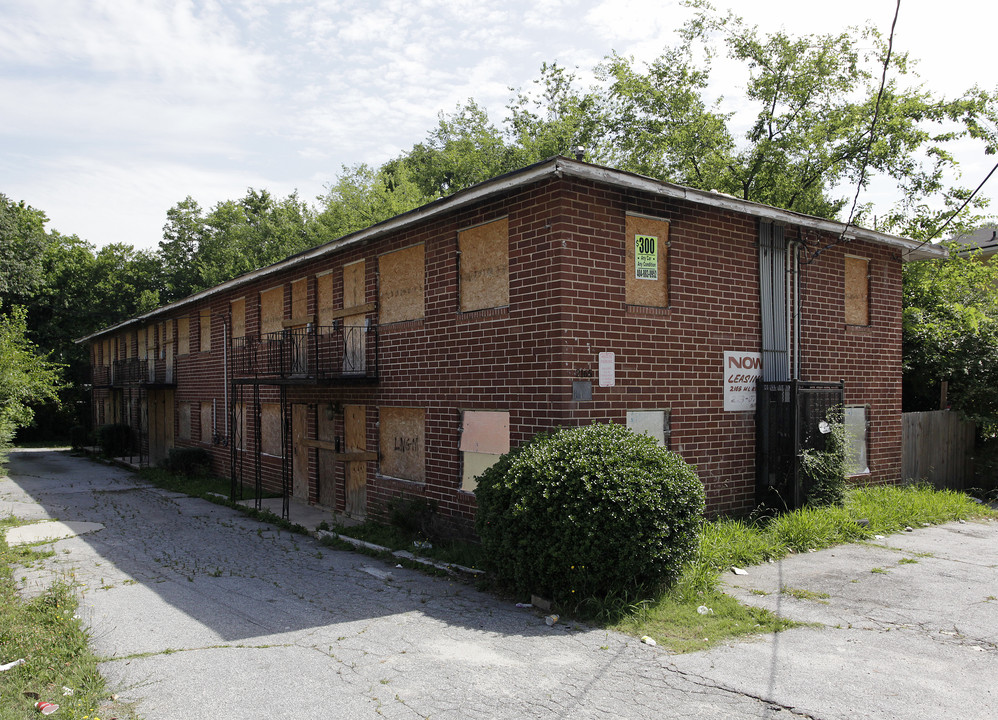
x,y
401,554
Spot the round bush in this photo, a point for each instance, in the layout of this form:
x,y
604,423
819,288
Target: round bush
x,y
588,512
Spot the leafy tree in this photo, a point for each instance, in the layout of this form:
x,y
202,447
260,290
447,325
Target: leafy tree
x,y
809,105
27,377
950,332
22,248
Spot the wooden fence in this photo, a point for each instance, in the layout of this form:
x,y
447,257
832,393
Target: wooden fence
x,y
937,447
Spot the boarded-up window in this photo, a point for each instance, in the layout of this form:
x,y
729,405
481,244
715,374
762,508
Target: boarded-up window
x,y
654,423
484,438
207,422
141,335
402,441
168,333
353,284
484,265
183,336
647,267
106,353
128,345
205,331
857,291
857,462
238,310
299,301
354,340
402,278
184,421
324,299
151,342
270,428
271,310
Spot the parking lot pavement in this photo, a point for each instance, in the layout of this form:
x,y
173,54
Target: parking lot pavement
x,y
203,612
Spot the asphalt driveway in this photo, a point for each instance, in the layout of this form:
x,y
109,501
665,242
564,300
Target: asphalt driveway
x,y
203,612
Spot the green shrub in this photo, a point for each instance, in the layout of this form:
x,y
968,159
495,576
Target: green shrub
x,y
590,512
188,461
79,437
114,440
823,471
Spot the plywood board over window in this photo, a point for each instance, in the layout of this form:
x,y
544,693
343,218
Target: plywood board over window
x,y
484,279
299,299
402,278
184,421
238,310
183,336
403,451
271,310
324,298
646,261
207,421
205,330
270,429
857,291
484,439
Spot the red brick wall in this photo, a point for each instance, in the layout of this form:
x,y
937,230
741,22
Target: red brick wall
x,y
566,274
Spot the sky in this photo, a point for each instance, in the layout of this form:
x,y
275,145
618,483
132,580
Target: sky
x,y
113,111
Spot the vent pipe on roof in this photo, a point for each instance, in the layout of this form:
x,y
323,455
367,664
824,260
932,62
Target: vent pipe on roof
x,y
580,153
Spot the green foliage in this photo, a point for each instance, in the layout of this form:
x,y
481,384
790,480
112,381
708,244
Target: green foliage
x,y
824,469
950,332
27,377
114,440
588,512
188,461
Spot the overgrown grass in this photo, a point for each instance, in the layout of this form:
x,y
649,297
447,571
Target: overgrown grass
x,y
672,617
45,632
196,485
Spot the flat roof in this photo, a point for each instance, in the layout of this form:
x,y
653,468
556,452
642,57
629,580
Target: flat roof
x,y
558,166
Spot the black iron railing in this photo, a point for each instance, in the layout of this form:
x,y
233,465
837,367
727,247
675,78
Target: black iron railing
x,y
308,353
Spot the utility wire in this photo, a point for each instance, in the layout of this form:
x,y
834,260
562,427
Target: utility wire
x,y
869,144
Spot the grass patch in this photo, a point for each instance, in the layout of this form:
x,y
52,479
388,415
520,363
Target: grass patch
x,y
677,625
672,619
196,485
456,552
53,643
802,594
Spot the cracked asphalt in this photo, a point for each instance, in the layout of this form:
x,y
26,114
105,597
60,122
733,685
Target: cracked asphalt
x,y
201,612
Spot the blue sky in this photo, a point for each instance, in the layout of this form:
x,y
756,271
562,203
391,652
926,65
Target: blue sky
x,y
115,110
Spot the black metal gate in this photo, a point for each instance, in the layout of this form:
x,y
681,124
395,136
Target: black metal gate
x,y
788,418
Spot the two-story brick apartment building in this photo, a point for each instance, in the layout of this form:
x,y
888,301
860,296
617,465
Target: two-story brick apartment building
x,y
405,358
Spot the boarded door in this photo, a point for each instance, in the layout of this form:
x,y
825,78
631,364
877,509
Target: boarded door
x,y
160,425
327,459
299,435
355,431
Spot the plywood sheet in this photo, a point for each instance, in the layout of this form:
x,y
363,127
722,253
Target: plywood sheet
x,y
402,277
270,428
324,299
183,336
299,440
650,286
299,298
857,291
354,284
402,443
484,265
485,432
271,310
355,436
238,310
207,422
205,331
184,421
474,465
143,352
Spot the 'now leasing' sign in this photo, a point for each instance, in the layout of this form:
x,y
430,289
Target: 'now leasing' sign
x,y
742,371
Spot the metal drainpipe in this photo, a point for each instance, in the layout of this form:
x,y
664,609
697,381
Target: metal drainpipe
x,y
225,372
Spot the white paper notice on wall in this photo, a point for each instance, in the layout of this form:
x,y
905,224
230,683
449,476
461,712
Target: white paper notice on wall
x,y
607,369
742,370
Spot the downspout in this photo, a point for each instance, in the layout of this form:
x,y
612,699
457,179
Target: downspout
x,y
225,372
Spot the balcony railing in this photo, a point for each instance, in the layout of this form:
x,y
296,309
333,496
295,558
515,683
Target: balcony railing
x,y
309,353
133,371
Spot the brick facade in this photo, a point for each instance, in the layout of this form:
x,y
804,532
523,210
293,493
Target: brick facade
x,y
566,304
